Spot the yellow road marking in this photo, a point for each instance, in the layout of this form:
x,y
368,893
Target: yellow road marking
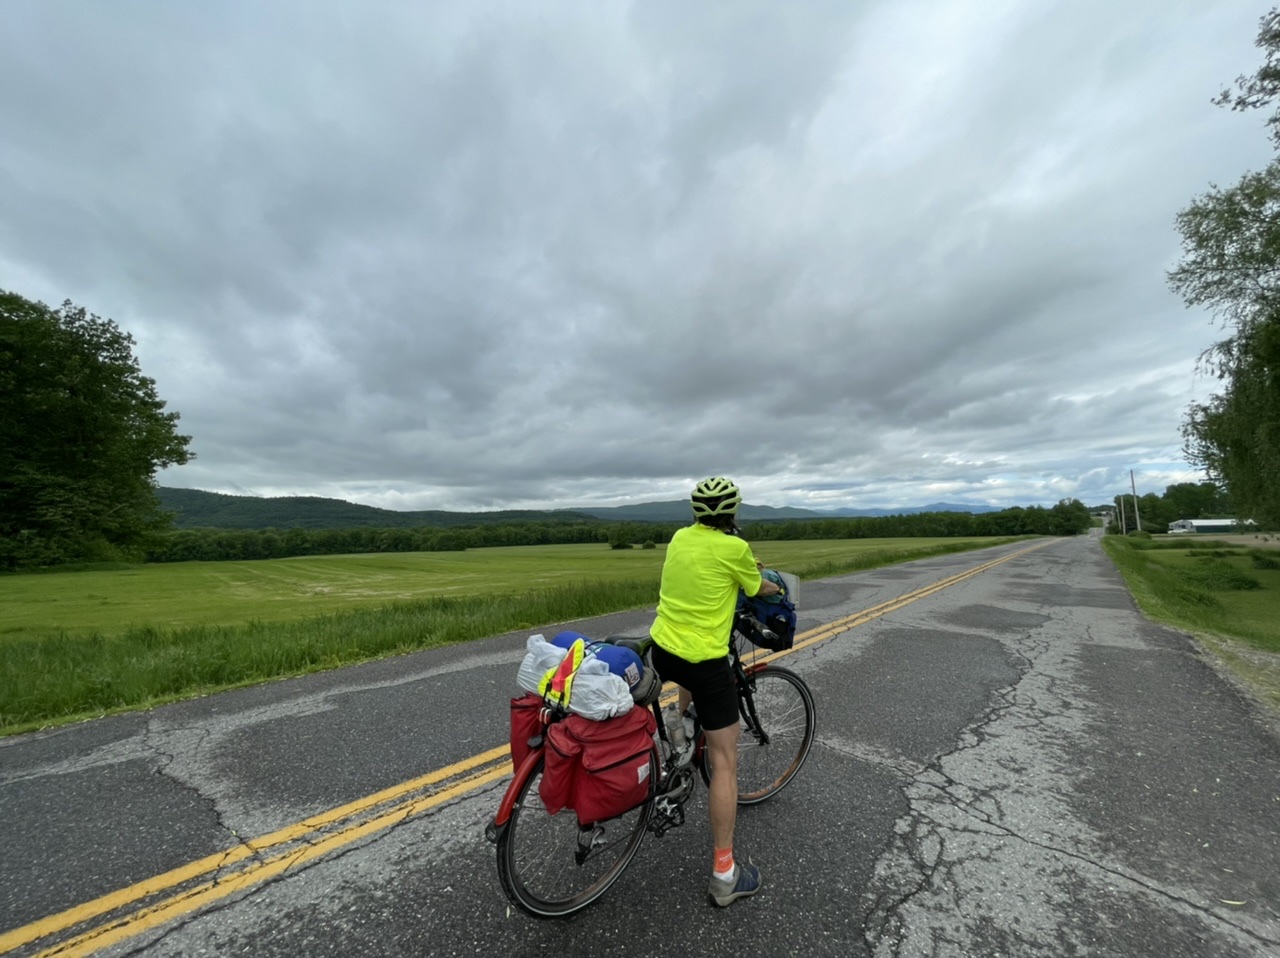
x,y
831,629
135,923
213,863
484,768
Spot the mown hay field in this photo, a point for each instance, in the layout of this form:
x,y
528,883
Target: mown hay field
x,y
172,595
85,643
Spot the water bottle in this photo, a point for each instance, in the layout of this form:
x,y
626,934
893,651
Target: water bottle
x,y
691,723
675,728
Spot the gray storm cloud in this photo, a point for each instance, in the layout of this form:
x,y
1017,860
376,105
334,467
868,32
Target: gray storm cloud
x,y
485,255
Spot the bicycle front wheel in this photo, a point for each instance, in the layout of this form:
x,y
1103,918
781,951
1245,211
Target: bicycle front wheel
x,y
776,726
550,867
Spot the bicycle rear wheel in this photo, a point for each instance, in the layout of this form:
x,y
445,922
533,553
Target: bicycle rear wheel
x,y
550,867
770,753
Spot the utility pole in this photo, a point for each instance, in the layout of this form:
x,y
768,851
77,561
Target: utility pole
x,y
1124,525
1137,516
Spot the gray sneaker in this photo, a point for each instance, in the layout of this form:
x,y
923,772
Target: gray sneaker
x,y
747,882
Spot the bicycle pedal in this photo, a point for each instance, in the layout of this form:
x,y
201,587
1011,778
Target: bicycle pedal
x,y
669,815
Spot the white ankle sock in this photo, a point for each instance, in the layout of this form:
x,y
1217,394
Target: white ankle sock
x,y
726,876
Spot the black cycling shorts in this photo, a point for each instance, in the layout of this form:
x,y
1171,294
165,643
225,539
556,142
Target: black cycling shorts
x,y
714,689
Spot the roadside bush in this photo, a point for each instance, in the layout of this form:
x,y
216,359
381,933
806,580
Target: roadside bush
x,y
1175,590
1195,597
1221,576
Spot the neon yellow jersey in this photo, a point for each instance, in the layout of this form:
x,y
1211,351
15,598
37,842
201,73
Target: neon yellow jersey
x,y
700,579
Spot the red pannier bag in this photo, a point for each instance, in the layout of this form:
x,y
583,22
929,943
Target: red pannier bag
x,y
560,765
526,723
616,767
599,769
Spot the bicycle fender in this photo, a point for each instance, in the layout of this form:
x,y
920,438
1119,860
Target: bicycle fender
x,y
513,788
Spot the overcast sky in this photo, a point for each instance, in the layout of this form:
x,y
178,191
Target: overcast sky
x,y
478,255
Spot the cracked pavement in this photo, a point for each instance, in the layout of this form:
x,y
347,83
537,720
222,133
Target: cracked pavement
x,y
1010,846
1017,765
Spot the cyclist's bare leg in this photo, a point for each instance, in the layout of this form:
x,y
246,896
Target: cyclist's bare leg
x,y
723,797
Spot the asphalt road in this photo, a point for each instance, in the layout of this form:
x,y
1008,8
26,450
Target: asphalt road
x,y
1017,764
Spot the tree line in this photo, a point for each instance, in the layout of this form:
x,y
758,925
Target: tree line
x,y
1069,517
214,545
1183,500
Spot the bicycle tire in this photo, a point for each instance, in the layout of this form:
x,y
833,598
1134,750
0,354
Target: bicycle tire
x,y
537,852
785,708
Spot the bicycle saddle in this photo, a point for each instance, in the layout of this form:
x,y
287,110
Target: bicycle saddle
x,y
649,687
639,644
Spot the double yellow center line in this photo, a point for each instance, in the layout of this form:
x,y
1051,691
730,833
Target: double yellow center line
x,y
831,629
139,907
131,911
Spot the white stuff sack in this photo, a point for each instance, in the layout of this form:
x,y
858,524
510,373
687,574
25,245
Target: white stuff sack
x,y
597,693
540,657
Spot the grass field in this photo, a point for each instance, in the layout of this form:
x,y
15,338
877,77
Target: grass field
x,y
1224,590
76,644
174,595
277,590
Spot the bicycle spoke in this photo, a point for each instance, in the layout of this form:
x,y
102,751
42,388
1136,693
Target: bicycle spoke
x,y
549,866
769,756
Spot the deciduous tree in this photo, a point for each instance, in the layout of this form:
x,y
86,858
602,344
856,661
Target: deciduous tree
x,y
1231,264
82,433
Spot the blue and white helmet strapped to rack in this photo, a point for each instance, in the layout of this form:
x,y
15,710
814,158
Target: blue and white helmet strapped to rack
x,y
621,661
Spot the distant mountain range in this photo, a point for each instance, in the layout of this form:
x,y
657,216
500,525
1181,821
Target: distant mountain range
x,y
194,508
677,510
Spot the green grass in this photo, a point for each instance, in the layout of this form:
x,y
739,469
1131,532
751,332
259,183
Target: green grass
x,y
175,595
1228,596
85,643
1219,588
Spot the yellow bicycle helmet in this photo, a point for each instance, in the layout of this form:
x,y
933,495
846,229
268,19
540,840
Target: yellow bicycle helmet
x,y
716,497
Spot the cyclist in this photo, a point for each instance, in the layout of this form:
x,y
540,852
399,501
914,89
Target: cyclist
x,y
706,564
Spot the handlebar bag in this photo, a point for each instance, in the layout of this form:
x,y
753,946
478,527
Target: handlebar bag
x,y
777,616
